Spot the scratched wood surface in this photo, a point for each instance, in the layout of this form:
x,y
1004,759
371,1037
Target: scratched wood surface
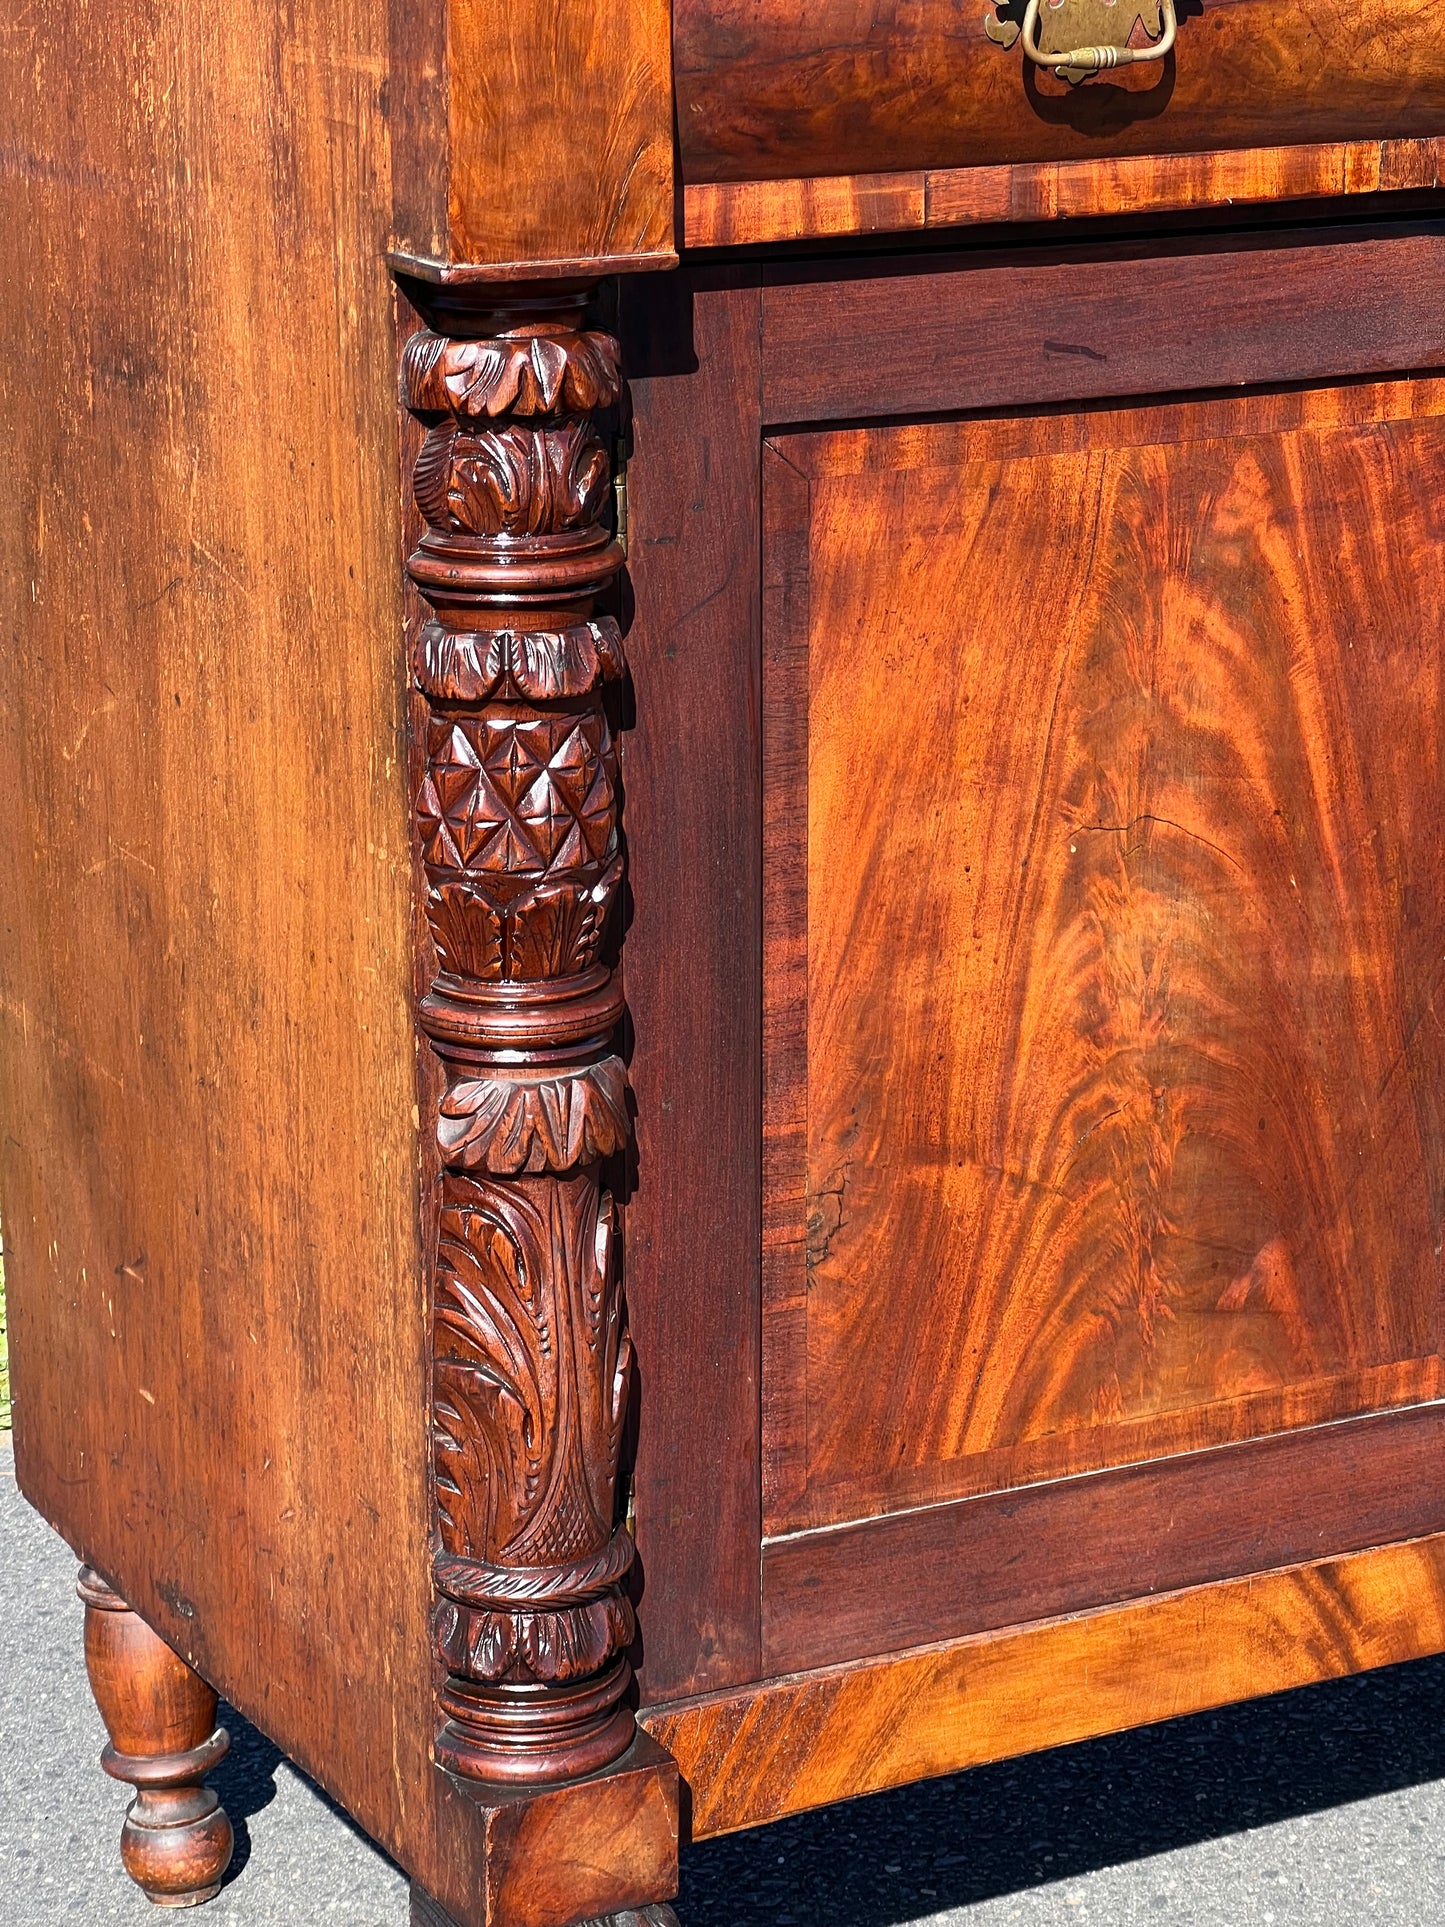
x,y
1118,1131
208,1169
771,89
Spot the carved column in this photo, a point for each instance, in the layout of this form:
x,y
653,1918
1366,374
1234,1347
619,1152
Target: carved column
x,y
517,818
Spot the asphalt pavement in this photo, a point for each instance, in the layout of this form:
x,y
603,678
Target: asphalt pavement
x,y
1314,1809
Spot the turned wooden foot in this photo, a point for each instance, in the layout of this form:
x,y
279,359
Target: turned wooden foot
x,y
161,1718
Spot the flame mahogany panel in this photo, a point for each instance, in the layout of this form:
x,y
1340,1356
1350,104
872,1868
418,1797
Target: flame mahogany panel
x,y
1107,896
804,1740
770,89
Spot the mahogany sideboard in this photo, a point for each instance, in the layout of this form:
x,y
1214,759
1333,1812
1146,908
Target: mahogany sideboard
x,y
721,1069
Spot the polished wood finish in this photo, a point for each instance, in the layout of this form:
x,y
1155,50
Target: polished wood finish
x,y
1101,319
752,1757
554,1856
161,1718
690,763
943,1571
516,821
1149,1083
1037,1228
532,133
776,89
725,214
1166,183
755,213
216,1276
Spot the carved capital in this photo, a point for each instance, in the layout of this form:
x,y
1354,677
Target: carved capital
x,y
526,665
510,1123
516,818
527,369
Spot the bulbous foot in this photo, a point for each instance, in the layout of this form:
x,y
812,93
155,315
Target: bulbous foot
x,y
161,1717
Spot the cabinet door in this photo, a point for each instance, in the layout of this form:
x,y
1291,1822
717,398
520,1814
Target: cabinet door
x,y
1104,942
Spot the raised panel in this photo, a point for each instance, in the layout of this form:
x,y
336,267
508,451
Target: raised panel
x,y
1106,900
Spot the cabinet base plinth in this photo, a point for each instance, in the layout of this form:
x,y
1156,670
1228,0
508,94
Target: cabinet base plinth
x,y
553,1856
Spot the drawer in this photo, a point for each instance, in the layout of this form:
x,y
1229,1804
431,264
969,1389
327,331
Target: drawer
x,y
771,89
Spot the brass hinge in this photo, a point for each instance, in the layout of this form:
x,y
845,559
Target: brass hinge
x,y
619,490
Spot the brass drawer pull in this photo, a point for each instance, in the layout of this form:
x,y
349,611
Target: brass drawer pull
x,y
1083,62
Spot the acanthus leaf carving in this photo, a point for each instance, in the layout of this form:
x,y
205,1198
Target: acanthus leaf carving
x,y
513,480
561,1644
524,374
551,931
529,665
533,1364
513,1124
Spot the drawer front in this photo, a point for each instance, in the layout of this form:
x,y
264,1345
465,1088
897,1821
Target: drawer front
x,y
778,89
1104,898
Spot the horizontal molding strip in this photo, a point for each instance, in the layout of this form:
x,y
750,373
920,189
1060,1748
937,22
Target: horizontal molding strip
x,y
972,1565
755,1754
758,213
1032,327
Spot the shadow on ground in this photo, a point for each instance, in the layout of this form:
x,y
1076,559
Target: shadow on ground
x,y
245,1783
999,1829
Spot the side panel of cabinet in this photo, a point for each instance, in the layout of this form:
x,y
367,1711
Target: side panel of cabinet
x,y
208,1156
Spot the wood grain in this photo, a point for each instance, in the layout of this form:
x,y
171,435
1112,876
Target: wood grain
x,y
692,970
515,806
1019,328
161,1718
1065,1545
549,1857
786,628
751,1757
753,213
209,1167
785,89
209,1154
1119,1135
210,1145
534,134
756,213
